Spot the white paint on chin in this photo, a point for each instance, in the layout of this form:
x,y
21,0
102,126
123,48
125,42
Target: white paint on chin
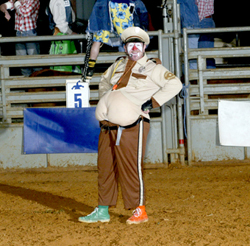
x,y
135,56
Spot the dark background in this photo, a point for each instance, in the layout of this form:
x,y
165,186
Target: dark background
x,y
228,13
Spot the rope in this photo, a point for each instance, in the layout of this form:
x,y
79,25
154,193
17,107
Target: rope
x,y
116,67
87,55
184,95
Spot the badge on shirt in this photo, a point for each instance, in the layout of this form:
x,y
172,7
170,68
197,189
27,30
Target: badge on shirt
x,y
141,69
67,3
168,75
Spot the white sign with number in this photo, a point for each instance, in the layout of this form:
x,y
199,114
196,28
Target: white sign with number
x,y
77,94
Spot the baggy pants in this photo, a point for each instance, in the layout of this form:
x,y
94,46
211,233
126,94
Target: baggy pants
x,y
123,162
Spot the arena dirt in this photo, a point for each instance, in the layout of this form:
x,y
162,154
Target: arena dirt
x,y
195,205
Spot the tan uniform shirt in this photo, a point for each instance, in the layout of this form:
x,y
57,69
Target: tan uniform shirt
x,y
147,80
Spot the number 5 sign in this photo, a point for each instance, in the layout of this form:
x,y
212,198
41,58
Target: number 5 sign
x,y
77,94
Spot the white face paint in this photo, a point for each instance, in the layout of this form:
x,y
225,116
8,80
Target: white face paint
x,y
134,46
135,50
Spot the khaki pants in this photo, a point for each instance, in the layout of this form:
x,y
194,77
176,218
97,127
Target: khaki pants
x,y
123,162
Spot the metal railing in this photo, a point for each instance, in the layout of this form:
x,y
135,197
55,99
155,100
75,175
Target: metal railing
x,y
16,91
203,94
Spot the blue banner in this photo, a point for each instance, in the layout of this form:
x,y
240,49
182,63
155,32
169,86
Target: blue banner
x,y
60,130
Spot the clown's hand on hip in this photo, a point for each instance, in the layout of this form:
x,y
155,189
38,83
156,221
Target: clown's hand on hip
x,y
147,106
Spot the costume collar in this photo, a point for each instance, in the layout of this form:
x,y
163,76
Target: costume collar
x,y
142,61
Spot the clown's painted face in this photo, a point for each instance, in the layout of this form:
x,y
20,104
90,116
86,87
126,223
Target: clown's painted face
x,y
135,50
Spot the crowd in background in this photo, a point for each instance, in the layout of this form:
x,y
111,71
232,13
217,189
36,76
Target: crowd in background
x,y
45,13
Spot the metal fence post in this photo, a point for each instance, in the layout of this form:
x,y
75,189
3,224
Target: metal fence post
x,y
177,71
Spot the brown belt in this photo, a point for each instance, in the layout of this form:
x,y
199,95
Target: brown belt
x,y
209,16
111,126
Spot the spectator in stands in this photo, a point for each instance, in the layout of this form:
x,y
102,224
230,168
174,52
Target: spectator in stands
x,y
113,17
25,25
61,16
7,30
198,14
206,40
140,15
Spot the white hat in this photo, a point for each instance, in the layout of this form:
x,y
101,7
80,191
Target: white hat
x,y
135,34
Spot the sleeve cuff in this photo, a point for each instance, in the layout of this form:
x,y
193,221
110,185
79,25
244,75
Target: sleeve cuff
x,y
17,4
9,5
69,31
155,104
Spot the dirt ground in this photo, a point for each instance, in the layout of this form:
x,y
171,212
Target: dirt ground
x,y
195,205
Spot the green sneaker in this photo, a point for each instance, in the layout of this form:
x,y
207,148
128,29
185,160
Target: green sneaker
x,y
99,214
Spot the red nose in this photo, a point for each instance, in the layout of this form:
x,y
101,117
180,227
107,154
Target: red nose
x,y
134,48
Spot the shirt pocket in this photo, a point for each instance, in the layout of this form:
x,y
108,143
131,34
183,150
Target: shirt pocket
x,y
138,80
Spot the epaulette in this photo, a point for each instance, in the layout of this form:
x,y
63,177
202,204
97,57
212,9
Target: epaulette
x,y
120,57
155,60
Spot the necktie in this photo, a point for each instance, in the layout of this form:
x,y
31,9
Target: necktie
x,y
123,81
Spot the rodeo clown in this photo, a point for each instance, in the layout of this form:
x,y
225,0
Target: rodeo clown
x,y
128,89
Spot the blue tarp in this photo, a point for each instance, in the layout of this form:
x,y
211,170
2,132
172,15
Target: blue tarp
x,y
60,130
